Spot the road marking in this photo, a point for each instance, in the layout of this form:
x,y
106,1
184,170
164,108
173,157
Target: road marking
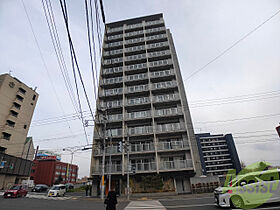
x,y
190,206
276,207
185,199
139,205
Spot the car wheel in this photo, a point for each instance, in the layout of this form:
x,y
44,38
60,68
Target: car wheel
x,y
237,202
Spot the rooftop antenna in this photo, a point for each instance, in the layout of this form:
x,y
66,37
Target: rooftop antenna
x,y
10,71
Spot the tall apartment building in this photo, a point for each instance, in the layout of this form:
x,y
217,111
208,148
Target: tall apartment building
x,y
143,101
17,104
217,153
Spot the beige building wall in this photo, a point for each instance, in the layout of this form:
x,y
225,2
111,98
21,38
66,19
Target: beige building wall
x,y
17,104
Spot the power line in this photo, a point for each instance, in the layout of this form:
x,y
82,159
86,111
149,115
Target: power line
x,y
43,61
232,46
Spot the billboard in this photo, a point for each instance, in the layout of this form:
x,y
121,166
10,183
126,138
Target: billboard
x,y
47,155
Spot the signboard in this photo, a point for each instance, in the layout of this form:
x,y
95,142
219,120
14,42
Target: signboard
x,y
46,158
43,154
2,164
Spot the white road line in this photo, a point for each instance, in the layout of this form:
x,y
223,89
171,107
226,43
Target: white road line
x,y
190,206
148,205
185,199
276,207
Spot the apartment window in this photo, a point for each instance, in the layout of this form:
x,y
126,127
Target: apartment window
x,y
25,126
57,173
10,123
13,113
18,97
34,97
21,90
16,105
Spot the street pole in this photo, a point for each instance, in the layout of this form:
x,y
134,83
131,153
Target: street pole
x,y
103,163
127,147
110,164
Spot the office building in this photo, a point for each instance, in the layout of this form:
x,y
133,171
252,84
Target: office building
x,y
142,106
217,153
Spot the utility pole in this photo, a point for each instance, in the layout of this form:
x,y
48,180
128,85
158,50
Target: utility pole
x,y
110,165
128,171
103,158
72,156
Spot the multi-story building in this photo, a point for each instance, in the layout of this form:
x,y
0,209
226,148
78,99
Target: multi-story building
x,y
17,104
217,153
47,170
143,102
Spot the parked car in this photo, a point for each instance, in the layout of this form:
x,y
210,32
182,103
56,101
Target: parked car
x,y
57,190
253,188
69,186
40,188
15,192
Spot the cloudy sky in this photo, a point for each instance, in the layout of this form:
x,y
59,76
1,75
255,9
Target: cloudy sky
x,y
239,93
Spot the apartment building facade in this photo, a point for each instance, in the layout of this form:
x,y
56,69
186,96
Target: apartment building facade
x,y
143,103
218,154
17,104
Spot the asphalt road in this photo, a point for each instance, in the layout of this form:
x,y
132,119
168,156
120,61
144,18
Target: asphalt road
x,y
191,202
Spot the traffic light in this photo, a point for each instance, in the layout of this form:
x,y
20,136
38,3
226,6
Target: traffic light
x,y
133,169
120,146
278,130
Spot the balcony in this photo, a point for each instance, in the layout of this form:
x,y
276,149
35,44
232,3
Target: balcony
x,y
111,81
162,74
144,167
136,57
155,22
159,45
136,77
135,49
111,30
115,117
147,147
155,30
134,41
112,104
216,150
160,63
164,85
114,37
157,54
113,169
137,89
113,70
114,132
140,130
114,150
157,37
170,127
113,52
216,145
138,67
166,98
113,61
175,165
172,145
134,34
111,92
138,101
138,115
133,26
114,45
168,112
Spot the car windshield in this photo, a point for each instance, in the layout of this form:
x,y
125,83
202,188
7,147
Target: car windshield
x,y
55,188
15,187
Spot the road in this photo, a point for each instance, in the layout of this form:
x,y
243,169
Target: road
x,y
41,202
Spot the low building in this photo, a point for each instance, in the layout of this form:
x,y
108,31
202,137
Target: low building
x,y
217,153
13,170
48,170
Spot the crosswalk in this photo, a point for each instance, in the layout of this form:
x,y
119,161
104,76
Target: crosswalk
x,y
147,205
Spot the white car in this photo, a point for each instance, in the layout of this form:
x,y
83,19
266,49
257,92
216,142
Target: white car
x,y
251,189
57,190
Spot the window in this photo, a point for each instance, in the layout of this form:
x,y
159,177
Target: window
x,y
21,90
13,113
10,123
34,97
18,97
25,126
16,105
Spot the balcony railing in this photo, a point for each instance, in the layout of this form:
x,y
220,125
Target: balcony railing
x,y
157,45
113,168
134,33
159,53
155,22
170,127
137,25
136,57
140,130
140,167
155,37
111,92
112,61
118,36
113,70
138,115
168,112
113,52
160,63
114,44
116,132
112,80
135,48
166,98
136,40
115,117
136,66
164,73
175,165
153,30
137,88
110,30
172,145
136,77
108,150
163,85
137,101
112,104
142,147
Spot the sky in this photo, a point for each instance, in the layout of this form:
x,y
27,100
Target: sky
x,y
245,80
